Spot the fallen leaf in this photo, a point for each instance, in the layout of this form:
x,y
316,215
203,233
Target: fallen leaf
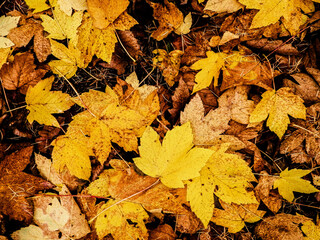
x,y
278,104
174,160
169,64
234,216
16,186
30,232
6,24
225,175
169,18
105,13
184,28
311,230
69,59
143,90
276,46
21,73
219,6
210,68
41,102
62,26
290,181
39,5
271,12
281,226
163,232
228,36
67,5
62,219
123,220
264,192
179,98
207,128
4,54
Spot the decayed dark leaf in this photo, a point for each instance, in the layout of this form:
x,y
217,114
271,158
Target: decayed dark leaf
x,y
21,73
282,226
16,185
274,45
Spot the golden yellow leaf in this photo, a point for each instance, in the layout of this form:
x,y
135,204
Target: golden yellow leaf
x,y
234,216
123,220
175,159
62,26
4,54
219,6
184,28
72,151
102,41
271,11
225,175
169,63
41,102
67,5
106,12
210,68
278,105
311,230
40,5
70,59
6,24
290,181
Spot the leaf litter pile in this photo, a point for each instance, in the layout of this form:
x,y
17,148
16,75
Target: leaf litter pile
x,y
142,119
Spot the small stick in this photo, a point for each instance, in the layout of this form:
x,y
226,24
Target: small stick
x,y
5,97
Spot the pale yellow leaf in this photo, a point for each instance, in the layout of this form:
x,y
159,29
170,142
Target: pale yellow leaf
x,y
30,232
6,24
40,5
67,5
184,28
219,6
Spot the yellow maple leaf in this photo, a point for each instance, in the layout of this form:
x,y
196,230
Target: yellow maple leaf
x,y
144,90
62,26
174,160
102,41
114,221
225,175
67,5
41,102
6,24
69,59
311,230
234,216
271,11
278,105
290,180
40,5
210,68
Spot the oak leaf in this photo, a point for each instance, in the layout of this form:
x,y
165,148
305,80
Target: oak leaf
x,y
290,181
16,185
174,160
6,24
225,175
210,68
21,73
41,102
278,104
62,26
234,216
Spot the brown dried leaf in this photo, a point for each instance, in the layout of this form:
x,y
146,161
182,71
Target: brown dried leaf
x,y
273,45
162,232
168,16
16,186
21,73
130,43
22,35
282,226
42,47
179,98
263,192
